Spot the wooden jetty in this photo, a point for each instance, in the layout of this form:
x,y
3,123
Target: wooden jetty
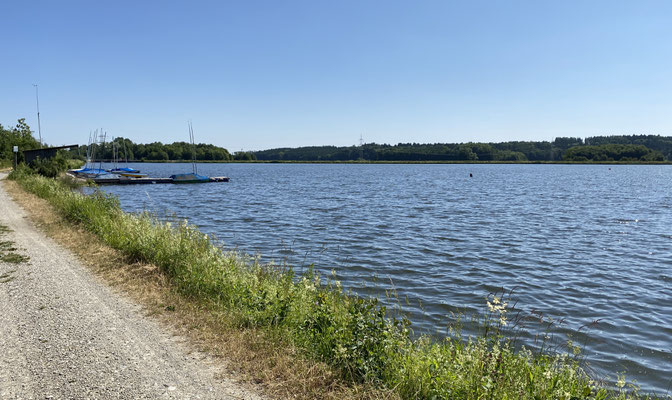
x,y
148,181
143,181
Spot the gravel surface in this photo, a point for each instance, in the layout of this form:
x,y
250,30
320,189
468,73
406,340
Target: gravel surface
x,y
65,335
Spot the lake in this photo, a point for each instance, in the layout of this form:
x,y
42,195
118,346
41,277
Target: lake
x,y
577,243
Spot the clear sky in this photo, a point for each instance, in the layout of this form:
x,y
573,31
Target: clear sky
x,y
262,74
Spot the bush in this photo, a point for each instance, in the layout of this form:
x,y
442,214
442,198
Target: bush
x,y
50,167
21,172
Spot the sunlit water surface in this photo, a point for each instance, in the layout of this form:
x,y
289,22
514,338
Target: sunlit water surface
x,y
577,243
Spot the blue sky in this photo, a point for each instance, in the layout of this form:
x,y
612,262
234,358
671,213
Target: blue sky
x,y
261,74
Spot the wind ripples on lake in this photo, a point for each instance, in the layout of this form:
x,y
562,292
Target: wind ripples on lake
x,y
579,243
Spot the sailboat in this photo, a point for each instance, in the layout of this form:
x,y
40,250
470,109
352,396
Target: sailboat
x,y
192,177
125,172
90,170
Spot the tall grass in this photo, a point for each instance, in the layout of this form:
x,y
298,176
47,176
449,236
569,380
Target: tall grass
x,y
6,163
354,335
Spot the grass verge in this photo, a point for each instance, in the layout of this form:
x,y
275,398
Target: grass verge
x,y
301,335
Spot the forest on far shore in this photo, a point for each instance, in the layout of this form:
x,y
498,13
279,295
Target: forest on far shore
x,y
632,148
644,148
623,148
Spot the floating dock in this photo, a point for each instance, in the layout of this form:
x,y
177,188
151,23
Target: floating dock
x,y
148,181
145,181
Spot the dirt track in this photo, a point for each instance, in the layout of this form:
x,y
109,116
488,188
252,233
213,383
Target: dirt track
x,y
65,335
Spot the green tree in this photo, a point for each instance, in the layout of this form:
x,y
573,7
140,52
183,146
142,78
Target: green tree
x,y
21,136
244,156
612,152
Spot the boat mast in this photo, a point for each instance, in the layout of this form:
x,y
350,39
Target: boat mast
x,y
115,153
94,147
89,150
102,139
193,149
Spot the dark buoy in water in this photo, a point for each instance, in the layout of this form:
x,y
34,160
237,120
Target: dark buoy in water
x,y
471,175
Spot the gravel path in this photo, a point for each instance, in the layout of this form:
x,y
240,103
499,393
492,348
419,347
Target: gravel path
x,y
65,335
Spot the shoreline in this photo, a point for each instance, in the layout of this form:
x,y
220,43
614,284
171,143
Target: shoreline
x,y
302,294
404,162
256,360
68,330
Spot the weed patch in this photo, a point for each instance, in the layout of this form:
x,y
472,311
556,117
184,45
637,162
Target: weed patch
x,y
6,245
8,250
7,276
14,258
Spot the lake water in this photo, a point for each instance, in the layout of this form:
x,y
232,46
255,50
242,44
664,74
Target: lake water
x,y
577,243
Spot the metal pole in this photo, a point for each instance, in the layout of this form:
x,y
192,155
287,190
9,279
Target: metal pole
x,y
39,128
193,149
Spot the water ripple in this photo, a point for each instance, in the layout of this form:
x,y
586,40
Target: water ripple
x,y
579,243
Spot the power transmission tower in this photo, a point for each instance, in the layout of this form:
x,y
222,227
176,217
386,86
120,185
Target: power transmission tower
x,y
361,147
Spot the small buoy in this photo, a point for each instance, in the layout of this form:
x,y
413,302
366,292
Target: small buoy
x,y
471,175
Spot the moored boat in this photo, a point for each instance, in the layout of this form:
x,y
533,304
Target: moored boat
x,y
192,177
125,170
88,172
189,178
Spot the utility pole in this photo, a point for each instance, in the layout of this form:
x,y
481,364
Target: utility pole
x,y
39,128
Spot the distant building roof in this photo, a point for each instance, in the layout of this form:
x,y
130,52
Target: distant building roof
x,y
45,152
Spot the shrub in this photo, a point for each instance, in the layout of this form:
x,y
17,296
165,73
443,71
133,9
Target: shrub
x,y
50,167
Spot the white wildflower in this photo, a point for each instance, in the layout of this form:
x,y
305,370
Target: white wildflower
x,y
620,383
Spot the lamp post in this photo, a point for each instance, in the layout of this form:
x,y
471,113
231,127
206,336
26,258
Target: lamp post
x,y
39,128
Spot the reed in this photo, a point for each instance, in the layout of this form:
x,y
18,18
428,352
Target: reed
x,y
355,335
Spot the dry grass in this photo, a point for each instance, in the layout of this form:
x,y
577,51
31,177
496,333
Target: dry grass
x,y
249,356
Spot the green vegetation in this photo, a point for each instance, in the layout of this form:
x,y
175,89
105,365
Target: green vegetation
x,y
8,252
662,144
624,148
21,136
354,335
612,152
54,166
5,164
157,151
632,149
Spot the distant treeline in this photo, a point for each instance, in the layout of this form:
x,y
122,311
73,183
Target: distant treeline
x,y
125,149
628,148
599,148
